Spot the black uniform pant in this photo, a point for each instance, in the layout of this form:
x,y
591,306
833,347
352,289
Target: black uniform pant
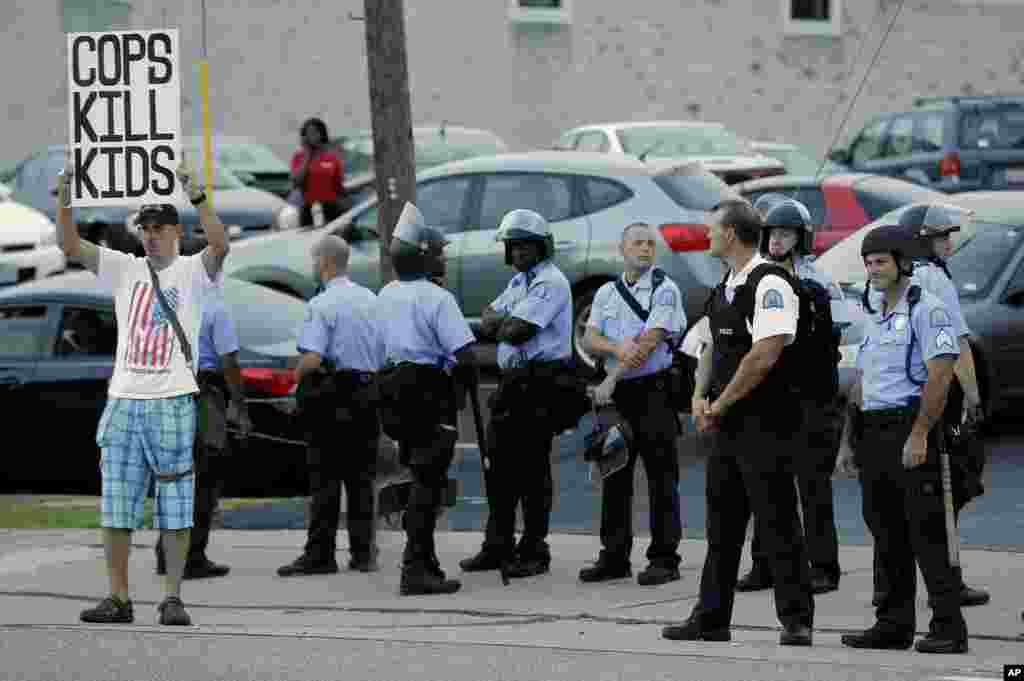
x,y
342,453
749,471
428,460
518,472
813,463
905,512
644,404
207,464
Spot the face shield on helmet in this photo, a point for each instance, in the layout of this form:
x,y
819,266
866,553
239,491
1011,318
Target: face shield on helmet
x,y
607,440
786,214
766,202
928,221
416,248
525,225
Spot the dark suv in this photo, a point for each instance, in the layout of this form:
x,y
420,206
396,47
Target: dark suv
x,y
953,144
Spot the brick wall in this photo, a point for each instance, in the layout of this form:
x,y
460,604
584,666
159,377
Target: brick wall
x,y
275,62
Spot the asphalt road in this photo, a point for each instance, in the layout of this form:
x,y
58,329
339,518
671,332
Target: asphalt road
x,y
995,519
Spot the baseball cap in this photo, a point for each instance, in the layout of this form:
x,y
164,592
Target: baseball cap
x,y
157,214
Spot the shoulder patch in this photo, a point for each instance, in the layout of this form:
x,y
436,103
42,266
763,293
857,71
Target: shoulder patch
x,y
939,319
772,299
666,297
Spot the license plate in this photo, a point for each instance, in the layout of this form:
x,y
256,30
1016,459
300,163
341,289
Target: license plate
x,y
1015,175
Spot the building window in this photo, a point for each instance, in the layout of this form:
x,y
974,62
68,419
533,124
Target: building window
x,y
540,11
812,17
93,16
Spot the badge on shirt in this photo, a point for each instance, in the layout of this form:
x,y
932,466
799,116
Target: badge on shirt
x,y
772,300
540,291
939,319
943,341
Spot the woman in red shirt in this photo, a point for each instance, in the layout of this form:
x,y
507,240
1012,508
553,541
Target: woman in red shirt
x,y
318,173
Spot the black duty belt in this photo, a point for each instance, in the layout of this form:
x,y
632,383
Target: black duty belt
x,y
881,417
356,375
537,369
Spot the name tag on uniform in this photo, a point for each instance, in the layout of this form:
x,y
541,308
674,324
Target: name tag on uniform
x,y
725,332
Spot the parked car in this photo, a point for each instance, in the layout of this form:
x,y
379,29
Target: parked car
x,y
840,204
797,161
988,269
433,145
954,144
254,164
57,343
587,197
5,191
28,244
244,210
721,150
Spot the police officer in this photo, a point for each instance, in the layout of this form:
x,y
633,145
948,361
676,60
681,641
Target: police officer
x,y
931,227
532,322
788,239
342,330
426,338
906,363
221,400
632,322
742,396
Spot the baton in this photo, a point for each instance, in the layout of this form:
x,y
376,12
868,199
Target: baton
x,y
485,459
952,534
271,438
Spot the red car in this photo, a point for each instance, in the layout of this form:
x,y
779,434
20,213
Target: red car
x,y
843,203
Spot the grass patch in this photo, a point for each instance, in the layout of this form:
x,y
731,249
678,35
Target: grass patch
x,y
240,503
44,513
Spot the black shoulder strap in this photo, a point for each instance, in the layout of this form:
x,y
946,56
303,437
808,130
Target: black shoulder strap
x,y
761,271
913,298
657,277
186,348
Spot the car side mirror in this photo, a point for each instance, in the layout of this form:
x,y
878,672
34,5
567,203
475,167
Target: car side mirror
x,y
1014,297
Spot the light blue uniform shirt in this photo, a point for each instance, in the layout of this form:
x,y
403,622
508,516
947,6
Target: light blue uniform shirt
x,y
422,324
883,352
933,280
844,311
343,325
543,298
615,319
216,332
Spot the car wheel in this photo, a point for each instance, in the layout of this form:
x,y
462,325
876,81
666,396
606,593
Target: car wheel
x,y
581,314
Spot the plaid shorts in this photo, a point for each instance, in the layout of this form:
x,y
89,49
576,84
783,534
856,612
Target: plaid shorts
x,y
139,438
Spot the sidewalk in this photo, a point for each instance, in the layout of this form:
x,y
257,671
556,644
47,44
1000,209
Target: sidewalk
x,y
47,577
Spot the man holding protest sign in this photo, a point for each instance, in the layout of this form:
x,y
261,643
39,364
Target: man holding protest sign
x,y
148,427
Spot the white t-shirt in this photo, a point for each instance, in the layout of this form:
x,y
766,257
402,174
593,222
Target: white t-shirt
x,y
776,306
150,363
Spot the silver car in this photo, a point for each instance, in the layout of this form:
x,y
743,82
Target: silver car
x,y
588,199
721,150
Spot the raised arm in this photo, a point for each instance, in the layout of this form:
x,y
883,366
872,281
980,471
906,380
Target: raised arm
x,y
75,248
216,236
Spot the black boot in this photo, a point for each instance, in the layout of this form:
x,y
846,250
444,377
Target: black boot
x,y
968,596
693,629
758,579
425,580
879,639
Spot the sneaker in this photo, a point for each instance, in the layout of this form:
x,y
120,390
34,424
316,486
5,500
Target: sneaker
x,y
305,565
172,612
653,574
111,610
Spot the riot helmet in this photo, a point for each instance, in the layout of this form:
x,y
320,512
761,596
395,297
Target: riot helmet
x,y
894,239
928,221
417,249
525,225
608,439
786,213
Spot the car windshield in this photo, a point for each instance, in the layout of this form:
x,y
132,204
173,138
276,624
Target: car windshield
x,y
981,256
673,141
999,127
796,161
695,190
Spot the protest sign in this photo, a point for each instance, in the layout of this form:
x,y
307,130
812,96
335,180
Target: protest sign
x,y
124,117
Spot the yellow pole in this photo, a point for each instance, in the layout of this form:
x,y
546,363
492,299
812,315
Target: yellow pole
x,y
204,93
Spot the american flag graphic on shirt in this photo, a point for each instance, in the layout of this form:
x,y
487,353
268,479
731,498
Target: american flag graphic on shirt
x,y
151,338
